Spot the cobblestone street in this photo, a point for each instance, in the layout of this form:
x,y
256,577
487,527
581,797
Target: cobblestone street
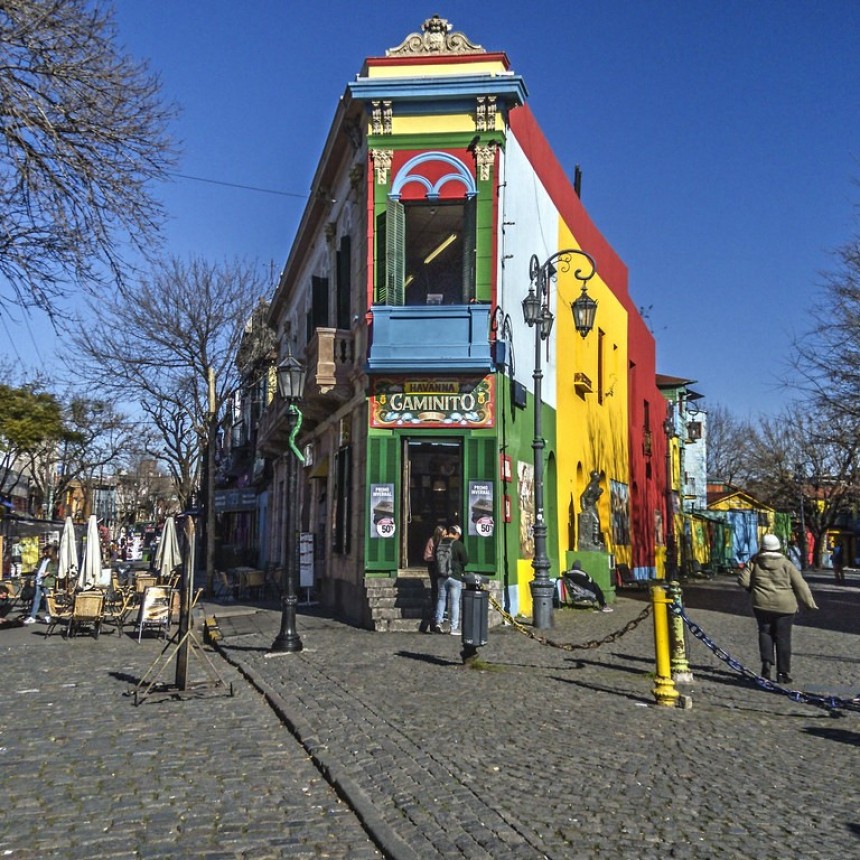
x,y
546,753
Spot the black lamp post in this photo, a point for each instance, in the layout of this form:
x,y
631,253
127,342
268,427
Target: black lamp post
x,y
800,477
538,315
291,385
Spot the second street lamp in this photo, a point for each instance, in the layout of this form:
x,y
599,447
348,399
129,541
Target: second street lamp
x,y
291,385
538,315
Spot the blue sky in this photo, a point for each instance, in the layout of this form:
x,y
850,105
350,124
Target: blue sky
x,y
719,142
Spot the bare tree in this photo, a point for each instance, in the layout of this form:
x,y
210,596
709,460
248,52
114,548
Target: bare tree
x,y
171,345
805,457
825,361
82,134
728,441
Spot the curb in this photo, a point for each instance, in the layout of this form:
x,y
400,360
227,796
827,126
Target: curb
x,y
391,845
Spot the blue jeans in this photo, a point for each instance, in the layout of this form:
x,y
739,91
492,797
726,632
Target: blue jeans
x,y
38,592
450,585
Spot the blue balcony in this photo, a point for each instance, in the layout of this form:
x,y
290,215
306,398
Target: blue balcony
x,y
437,338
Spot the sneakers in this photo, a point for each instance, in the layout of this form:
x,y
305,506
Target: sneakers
x,y
783,678
435,629
29,620
607,609
46,619
455,632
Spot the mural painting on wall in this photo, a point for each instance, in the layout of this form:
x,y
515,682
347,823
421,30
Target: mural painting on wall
x,y
590,533
464,402
620,499
481,523
525,491
382,505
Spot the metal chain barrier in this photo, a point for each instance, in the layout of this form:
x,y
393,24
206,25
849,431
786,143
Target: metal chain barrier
x,y
828,703
567,646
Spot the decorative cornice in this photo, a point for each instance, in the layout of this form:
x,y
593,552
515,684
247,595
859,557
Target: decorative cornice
x,y
382,164
485,114
437,38
485,157
381,117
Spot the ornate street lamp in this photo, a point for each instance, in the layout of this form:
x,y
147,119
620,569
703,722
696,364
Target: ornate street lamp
x,y
537,314
291,385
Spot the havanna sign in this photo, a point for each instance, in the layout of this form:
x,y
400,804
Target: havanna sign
x,y
429,402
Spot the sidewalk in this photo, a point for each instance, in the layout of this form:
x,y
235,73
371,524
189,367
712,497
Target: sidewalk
x,y
564,754
547,753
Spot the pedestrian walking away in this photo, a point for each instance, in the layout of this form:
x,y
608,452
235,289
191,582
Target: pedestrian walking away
x,y
451,561
581,579
838,562
775,586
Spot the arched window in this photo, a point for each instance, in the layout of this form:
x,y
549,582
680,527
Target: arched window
x,y
428,234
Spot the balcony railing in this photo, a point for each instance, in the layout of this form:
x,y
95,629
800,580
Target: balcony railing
x,y
435,338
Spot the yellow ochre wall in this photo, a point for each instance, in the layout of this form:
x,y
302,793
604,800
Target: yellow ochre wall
x,y
589,435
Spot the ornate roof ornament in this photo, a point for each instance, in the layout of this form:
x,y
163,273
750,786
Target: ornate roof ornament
x,y
437,38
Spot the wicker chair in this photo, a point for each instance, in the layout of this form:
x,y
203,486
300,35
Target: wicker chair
x,y
60,610
87,611
118,606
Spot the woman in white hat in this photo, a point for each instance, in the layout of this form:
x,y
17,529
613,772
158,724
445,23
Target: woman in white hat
x,y
775,586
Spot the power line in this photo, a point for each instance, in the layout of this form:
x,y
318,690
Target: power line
x,y
9,338
237,185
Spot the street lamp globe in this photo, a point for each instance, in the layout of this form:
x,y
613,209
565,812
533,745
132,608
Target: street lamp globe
x,y
531,308
584,310
291,378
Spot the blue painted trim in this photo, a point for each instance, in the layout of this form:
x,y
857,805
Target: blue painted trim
x,y
509,88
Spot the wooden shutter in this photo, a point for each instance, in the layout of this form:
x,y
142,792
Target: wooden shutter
x,y
481,464
382,468
381,233
344,287
395,253
469,249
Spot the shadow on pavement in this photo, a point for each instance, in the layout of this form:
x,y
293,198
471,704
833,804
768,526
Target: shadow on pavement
x,y
601,688
428,658
841,736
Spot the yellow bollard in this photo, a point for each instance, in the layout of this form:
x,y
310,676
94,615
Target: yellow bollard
x,y
681,672
664,688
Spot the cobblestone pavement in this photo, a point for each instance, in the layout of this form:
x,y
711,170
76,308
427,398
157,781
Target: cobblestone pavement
x,y
551,753
87,774
545,753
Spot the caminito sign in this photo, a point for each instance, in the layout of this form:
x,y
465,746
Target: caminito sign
x,y
463,402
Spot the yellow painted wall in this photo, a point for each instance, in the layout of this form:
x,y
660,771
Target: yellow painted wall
x,y
525,575
589,435
435,70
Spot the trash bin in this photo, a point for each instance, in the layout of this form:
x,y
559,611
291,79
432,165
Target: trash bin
x,y
475,611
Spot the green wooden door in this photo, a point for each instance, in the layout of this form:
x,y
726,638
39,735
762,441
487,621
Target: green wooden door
x,y
383,465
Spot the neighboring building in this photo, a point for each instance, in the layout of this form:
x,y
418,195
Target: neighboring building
x,y
692,534
241,480
748,519
402,293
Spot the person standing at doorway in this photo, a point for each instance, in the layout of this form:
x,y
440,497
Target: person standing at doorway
x,y
432,572
451,561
